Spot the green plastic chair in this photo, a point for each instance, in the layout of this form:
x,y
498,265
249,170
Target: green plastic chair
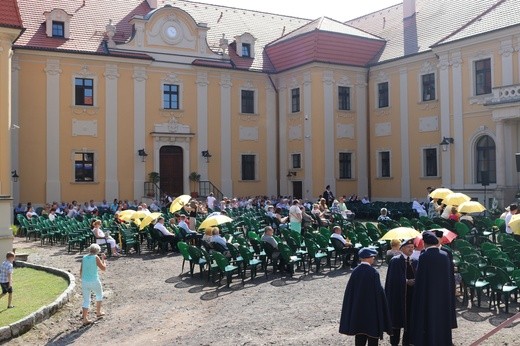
x,y
501,285
314,254
225,268
473,280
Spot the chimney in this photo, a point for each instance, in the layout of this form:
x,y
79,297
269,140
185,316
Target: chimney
x,y
408,8
152,3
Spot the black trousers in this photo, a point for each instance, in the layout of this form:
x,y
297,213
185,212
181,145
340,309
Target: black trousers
x,y
395,338
361,340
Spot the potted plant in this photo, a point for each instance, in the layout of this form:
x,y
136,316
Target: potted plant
x,y
153,177
194,178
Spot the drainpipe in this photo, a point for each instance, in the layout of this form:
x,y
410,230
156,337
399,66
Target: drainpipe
x,y
277,118
369,165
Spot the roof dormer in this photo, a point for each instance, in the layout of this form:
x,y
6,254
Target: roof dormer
x,y
245,45
57,23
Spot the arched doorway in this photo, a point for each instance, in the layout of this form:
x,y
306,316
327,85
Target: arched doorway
x,y
171,170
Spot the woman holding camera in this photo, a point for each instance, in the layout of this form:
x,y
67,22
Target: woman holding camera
x,y
90,281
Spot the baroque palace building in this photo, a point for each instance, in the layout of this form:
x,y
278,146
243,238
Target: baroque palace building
x,y
96,94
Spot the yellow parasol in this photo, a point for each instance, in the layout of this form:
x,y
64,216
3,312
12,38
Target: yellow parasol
x,y
440,193
455,198
148,219
514,224
214,220
471,207
179,202
400,233
141,214
126,215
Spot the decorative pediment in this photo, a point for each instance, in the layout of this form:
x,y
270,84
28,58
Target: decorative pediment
x,y
169,30
172,126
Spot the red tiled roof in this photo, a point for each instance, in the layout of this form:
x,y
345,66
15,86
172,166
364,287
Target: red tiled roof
x,y
87,25
9,14
318,46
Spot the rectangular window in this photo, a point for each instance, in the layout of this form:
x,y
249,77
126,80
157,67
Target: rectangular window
x,y
483,77
84,167
84,92
58,29
344,98
170,96
248,101
246,50
428,86
430,162
296,161
384,164
248,167
295,100
382,94
345,165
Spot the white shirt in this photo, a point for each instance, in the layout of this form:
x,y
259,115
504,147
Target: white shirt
x,y
339,237
210,201
508,219
295,214
161,228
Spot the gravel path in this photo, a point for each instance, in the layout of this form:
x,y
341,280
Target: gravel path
x,y
148,302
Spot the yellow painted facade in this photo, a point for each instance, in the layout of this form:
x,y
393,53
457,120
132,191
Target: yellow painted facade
x,y
128,115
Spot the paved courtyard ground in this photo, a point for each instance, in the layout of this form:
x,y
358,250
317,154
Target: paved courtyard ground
x,y
148,302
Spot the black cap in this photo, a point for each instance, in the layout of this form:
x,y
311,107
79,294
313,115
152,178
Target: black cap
x,y
429,238
367,252
438,233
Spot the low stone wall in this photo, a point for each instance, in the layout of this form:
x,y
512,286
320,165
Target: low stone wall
x,y
25,324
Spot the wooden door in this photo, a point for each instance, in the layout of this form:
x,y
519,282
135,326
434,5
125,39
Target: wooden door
x,y
297,189
171,170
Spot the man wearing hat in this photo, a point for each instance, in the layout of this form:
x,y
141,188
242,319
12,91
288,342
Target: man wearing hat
x,y
399,288
432,305
365,310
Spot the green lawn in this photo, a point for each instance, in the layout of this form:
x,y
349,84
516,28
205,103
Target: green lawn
x,y
32,289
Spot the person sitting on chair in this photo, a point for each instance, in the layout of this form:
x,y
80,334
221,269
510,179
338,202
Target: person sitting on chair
x,y
348,248
384,215
186,232
172,239
102,238
219,243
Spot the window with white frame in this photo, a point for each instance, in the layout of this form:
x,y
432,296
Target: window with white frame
x,y
84,91
486,160
57,23
382,95
482,76
296,160
248,167
430,161
345,165
295,100
171,96
246,50
83,167
384,164
248,101
343,98
428,86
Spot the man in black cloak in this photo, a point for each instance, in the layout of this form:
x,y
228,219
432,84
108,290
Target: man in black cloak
x,y
439,234
431,322
365,311
399,287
